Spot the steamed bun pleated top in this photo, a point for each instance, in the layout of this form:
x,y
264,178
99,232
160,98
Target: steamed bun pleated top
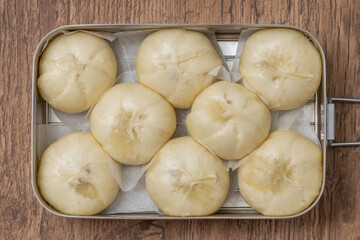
x,y
132,122
283,176
185,179
75,70
176,63
229,120
282,66
73,175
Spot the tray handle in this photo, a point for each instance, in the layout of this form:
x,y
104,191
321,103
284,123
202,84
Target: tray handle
x,y
330,122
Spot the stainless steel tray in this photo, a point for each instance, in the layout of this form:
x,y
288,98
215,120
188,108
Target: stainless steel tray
x,y
227,36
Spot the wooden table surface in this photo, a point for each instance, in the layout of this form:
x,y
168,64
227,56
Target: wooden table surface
x,y
335,23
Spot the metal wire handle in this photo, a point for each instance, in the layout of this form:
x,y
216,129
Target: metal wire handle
x,y
330,122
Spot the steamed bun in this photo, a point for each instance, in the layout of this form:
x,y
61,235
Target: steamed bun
x,y
73,175
185,179
176,63
283,176
282,66
132,122
229,119
75,70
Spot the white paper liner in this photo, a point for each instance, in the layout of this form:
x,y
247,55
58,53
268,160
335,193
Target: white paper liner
x,y
133,197
77,121
234,198
48,133
135,201
127,176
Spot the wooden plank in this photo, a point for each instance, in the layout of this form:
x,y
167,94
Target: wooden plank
x,y
334,23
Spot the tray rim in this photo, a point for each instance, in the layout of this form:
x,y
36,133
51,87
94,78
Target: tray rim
x,y
321,112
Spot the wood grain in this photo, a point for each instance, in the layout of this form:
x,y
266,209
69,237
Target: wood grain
x,y
334,23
